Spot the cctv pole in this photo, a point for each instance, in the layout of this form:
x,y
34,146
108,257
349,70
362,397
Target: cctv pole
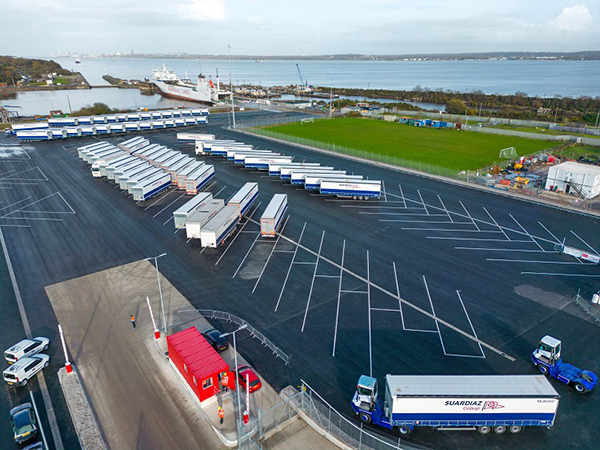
x,y
231,88
64,346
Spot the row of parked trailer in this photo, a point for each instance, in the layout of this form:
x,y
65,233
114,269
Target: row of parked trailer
x,y
145,169
49,133
59,122
325,179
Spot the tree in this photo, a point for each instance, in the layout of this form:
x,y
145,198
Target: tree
x,y
456,106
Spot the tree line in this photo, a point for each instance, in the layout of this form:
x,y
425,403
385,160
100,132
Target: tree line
x,y
13,69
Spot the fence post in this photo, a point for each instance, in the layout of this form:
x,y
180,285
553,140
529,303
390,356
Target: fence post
x,y
360,436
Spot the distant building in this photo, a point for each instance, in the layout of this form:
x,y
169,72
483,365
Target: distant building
x,y
570,177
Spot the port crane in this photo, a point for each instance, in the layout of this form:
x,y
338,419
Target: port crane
x,y
303,82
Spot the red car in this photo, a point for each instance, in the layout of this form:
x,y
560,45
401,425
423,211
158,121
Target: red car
x,y
247,371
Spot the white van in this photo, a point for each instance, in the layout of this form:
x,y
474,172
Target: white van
x,y
26,347
20,372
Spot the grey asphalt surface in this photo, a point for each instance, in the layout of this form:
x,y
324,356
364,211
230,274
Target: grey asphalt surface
x,y
507,308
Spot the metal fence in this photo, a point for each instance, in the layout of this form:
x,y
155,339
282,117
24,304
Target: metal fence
x,y
222,315
588,308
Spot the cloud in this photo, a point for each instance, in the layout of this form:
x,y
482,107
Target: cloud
x,y
573,18
204,10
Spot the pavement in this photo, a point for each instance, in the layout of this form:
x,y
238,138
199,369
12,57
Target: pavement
x,y
481,262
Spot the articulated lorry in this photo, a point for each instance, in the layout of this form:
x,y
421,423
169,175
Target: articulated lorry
x,y
462,402
314,181
357,190
275,168
191,138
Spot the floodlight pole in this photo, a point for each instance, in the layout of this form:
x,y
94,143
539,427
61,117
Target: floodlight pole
x,y
237,386
162,305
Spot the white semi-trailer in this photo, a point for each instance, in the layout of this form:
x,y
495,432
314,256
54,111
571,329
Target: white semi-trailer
x,y
221,149
132,126
103,155
462,402
101,167
125,177
138,146
181,214
238,156
131,168
217,229
244,198
88,154
287,169
133,181
159,154
360,189
114,165
262,162
116,128
314,181
173,169
83,151
172,161
153,186
191,138
298,176
186,172
128,144
273,216
63,122
149,150
30,126
203,147
275,168
195,182
201,216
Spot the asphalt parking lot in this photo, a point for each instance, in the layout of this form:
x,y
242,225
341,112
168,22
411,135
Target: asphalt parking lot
x,y
327,291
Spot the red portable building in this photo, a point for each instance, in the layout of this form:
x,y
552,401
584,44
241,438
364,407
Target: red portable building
x,y
197,361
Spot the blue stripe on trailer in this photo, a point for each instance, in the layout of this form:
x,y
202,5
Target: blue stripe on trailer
x,y
281,217
349,193
470,419
286,177
157,190
312,186
227,231
272,173
249,204
258,166
205,181
219,153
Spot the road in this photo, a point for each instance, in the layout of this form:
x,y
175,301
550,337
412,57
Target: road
x,y
479,262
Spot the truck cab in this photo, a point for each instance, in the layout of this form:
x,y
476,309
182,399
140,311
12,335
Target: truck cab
x,y
367,404
547,358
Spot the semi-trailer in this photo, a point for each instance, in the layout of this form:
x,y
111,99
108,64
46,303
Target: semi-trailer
x,y
190,121
195,182
159,160
73,132
262,162
145,116
113,172
221,149
464,402
173,169
196,220
149,173
150,187
273,216
134,166
238,156
58,133
275,168
140,145
98,119
103,129
86,121
130,143
180,122
30,126
81,151
244,198
169,123
123,178
297,176
362,189
90,151
111,118
100,156
158,124
286,170
100,167
143,152
164,151
203,147
63,122
181,214
191,138
132,126
178,157
88,130
146,125
34,135
218,229
186,172
117,164
116,128
313,182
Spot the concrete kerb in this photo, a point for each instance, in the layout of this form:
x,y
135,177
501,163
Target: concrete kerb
x,y
441,178
85,421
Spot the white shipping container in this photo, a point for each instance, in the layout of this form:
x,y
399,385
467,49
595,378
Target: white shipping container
x,y
244,198
201,216
273,216
181,214
216,230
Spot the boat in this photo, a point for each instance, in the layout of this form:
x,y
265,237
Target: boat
x,y
77,61
171,86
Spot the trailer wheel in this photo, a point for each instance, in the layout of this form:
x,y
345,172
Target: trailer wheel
x,y
404,430
580,388
543,369
484,429
500,429
515,429
365,417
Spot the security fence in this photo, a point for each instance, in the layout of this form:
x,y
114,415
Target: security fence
x,y
588,308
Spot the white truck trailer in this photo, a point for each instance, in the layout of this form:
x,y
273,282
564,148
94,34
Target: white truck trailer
x,y
83,151
273,216
181,214
195,182
191,138
217,229
149,150
262,162
244,198
132,142
298,176
163,152
153,186
101,156
287,169
201,216
114,165
186,172
463,402
125,177
134,181
238,156
360,189
313,181
221,149
97,151
172,161
131,169
173,169
99,168
203,147
275,168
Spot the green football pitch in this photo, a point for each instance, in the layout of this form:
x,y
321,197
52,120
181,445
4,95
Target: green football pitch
x,y
449,148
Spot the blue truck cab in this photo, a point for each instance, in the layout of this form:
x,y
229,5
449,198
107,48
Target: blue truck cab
x,y
548,361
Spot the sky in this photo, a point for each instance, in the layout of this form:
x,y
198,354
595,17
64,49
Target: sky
x,y
308,27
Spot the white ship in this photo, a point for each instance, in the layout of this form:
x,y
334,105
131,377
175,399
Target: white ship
x,y
171,86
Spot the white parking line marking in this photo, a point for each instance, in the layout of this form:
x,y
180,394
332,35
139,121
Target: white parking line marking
x,y
588,245
423,202
369,313
168,205
496,223
526,232
476,239
246,255
239,232
168,220
291,264
313,282
271,254
471,324
37,415
550,233
433,310
561,274
469,215
160,199
337,311
445,209
538,262
402,194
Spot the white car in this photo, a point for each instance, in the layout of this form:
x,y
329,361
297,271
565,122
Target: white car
x,y
26,347
24,369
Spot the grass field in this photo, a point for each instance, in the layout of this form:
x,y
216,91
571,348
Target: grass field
x,y
449,148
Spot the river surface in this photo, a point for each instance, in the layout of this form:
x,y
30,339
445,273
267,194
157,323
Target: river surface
x,y
536,78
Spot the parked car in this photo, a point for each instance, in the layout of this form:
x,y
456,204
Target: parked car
x,y
216,339
20,372
23,423
26,347
247,371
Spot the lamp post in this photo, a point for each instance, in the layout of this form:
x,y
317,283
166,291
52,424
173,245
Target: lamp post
x,y
237,386
162,305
